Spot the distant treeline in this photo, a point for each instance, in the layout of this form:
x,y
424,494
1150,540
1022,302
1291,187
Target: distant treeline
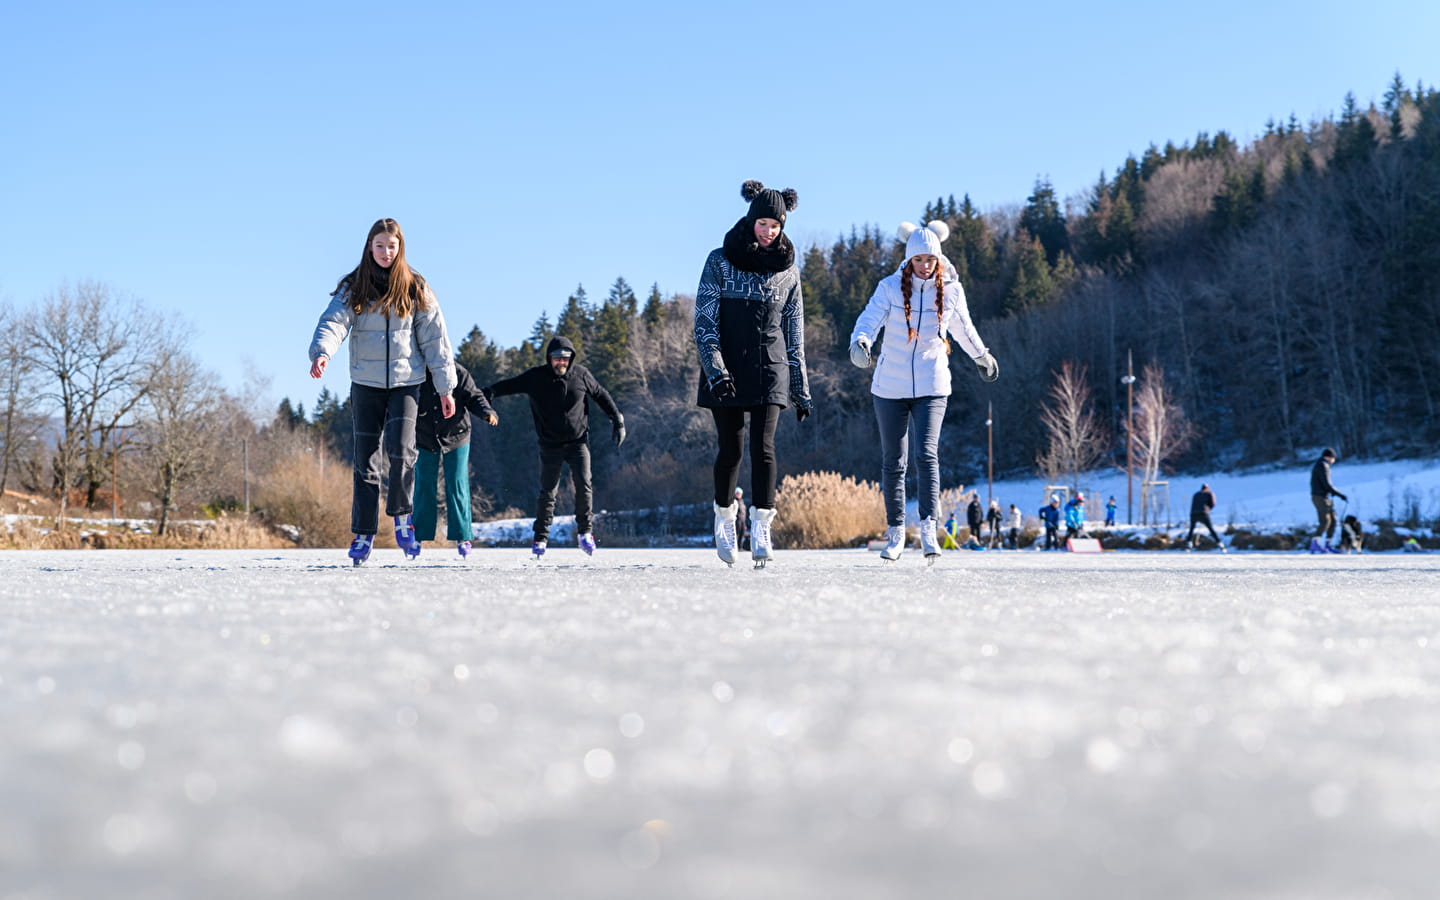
x,y
1288,289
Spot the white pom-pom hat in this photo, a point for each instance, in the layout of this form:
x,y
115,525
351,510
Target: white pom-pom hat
x,y
925,239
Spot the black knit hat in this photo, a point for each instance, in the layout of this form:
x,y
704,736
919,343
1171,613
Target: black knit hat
x,y
766,203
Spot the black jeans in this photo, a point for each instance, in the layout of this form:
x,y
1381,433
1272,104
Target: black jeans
x,y
552,456
730,432
1201,519
391,413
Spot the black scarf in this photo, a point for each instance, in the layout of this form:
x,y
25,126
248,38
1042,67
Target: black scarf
x,y
380,281
746,254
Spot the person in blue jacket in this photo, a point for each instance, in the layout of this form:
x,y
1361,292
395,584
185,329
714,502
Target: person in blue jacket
x,y
1050,518
1110,512
1075,517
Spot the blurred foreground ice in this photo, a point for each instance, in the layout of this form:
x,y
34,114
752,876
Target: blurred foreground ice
x,y
648,724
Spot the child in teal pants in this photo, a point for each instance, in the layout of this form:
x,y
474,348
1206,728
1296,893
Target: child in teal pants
x,y
445,444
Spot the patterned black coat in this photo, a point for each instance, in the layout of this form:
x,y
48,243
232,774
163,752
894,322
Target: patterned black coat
x,y
750,326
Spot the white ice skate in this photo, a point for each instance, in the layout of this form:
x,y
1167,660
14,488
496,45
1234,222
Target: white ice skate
x,y
760,520
929,541
894,543
725,533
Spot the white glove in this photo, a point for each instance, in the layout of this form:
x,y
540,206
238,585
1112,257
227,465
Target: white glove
x,y
860,353
989,368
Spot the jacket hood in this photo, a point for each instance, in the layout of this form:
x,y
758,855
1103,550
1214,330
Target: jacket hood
x,y
560,343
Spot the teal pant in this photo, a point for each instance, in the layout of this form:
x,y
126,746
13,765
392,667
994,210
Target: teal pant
x,y
457,494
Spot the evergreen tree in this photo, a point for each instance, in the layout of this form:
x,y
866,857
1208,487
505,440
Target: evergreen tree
x,y
480,356
1042,218
575,320
654,312
1033,285
1395,99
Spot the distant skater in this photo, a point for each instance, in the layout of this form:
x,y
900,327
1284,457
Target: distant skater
x,y
1200,506
1050,518
919,308
993,519
1016,522
1110,506
1321,490
396,334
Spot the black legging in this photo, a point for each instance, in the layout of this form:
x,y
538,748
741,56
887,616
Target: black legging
x,y
730,433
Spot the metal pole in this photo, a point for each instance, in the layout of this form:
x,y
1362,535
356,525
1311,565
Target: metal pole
x,y
245,476
990,453
1129,380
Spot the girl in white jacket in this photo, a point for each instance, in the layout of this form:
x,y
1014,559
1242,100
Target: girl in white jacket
x,y
919,309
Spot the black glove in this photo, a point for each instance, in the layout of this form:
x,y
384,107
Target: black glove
x,y
618,432
801,413
1342,496
724,389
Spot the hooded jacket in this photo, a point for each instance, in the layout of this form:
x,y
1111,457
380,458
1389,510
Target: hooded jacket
x,y
750,327
388,351
1320,485
558,402
1202,503
920,368
438,434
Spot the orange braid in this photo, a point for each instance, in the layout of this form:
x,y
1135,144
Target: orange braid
x,y
905,274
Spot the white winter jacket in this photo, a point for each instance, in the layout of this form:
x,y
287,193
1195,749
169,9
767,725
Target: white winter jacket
x,y
388,351
919,368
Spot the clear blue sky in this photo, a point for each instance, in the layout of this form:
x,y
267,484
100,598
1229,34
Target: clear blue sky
x,y
223,162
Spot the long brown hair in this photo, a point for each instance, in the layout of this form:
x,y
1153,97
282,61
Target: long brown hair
x,y
905,276
406,292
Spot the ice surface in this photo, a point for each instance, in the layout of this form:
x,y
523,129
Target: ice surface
x,y
650,724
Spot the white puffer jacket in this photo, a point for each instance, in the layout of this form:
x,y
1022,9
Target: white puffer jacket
x,y
919,368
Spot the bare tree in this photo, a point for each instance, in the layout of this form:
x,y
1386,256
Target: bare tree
x,y
1076,440
101,352
20,420
1161,427
177,430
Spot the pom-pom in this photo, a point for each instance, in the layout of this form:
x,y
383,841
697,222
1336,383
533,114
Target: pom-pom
x,y
905,230
942,231
791,199
751,189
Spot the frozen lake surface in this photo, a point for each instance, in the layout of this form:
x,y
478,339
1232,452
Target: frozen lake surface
x,y
649,724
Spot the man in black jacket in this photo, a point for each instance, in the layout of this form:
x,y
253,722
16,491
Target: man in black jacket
x,y
1200,506
1321,490
445,443
558,392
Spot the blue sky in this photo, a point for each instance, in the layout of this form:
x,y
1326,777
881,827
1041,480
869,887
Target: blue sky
x,y
224,162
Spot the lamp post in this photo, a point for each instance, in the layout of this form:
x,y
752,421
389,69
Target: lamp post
x,y
989,453
1129,381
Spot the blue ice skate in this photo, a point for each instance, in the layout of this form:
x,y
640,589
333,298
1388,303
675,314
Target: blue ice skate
x,y
463,548
587,543
405,536
360,548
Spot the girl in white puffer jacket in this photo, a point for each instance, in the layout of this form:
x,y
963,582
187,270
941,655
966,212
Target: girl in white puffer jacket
x,y
918,309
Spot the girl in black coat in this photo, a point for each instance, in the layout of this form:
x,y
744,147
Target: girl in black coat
x,y
750,334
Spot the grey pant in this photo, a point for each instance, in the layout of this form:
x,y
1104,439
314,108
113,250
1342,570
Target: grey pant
x,y
897,420
1325,512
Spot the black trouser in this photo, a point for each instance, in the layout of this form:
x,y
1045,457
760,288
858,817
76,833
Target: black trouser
x,y
1052,536
730,431
1201,519
389,412
1325,510
577,454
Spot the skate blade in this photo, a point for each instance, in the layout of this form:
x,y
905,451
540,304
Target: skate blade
x,y
930,560
760,563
